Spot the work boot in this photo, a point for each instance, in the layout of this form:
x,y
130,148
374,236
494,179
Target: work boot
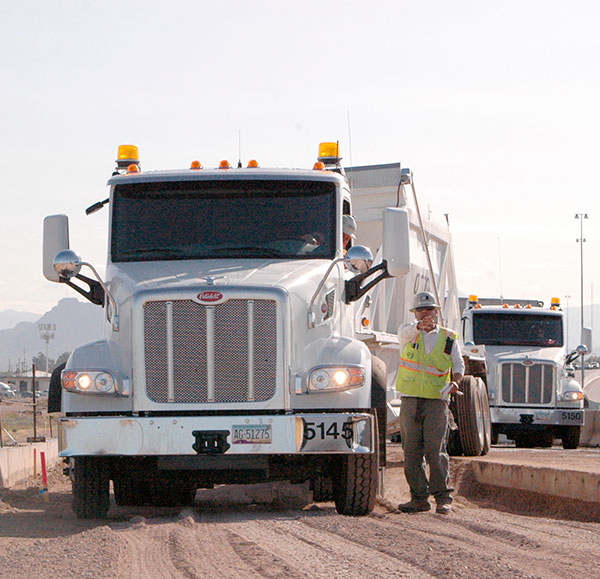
x,y
415,506
443,506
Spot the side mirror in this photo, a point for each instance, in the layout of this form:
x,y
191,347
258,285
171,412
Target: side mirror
x,y
56,238
586,338
359,259
581,349
396,240
67,264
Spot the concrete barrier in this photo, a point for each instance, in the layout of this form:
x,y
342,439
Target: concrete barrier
x,y
16,462
550,481
590,433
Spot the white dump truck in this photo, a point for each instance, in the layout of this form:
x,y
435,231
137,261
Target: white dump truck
x,y
533,399
243,342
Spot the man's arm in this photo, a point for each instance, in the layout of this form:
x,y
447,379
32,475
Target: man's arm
x,y
407,333
458,366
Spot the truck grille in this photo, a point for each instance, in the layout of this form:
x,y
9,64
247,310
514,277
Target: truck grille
x,y
527,384
220,353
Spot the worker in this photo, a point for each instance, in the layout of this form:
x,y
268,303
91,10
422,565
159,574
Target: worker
x,y
348,231
536,333
431,368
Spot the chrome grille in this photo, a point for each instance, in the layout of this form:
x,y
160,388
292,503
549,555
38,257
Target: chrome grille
x,y
219,353
527,384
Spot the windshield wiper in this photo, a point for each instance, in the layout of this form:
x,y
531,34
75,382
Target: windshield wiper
x,y
158,251
261,251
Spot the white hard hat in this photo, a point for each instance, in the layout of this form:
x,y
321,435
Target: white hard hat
x,y
349,226
424,300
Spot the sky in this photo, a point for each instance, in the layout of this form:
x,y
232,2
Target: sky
x,y
492,104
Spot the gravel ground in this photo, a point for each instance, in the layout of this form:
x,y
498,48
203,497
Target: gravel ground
x,y
275,530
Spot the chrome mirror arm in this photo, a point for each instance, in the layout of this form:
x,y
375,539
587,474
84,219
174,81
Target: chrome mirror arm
x,y
311,314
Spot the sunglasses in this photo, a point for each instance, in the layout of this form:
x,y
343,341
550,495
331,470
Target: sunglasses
x,y
425,309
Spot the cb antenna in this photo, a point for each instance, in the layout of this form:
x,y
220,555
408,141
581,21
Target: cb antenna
x,y
349,145
500,272
239,149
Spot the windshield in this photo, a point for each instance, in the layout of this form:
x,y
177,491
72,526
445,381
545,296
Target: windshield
x,y
517,330
223,219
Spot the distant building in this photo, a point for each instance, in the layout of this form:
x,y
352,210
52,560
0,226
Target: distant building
x,y
23,381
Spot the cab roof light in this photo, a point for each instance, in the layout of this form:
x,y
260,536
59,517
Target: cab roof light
x,y
133,168
127,155
329,153
528,306
517,306
224,164
505,306
252,164
196,165
319,166
555,303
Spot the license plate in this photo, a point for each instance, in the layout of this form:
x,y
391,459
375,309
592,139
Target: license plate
x,y
252,434
571,416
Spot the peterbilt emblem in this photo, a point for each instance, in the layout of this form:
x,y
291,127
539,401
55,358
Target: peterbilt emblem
x,y
210,296
527,362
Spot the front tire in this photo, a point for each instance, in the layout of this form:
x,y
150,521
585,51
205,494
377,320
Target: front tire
x,y
90,483
570,437
355,484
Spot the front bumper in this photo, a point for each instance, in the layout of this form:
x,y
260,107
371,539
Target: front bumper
x,y
540,416
323,433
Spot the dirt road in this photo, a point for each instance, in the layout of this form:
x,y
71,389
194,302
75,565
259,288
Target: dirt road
x,y
276,531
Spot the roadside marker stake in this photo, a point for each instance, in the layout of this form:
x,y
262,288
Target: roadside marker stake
x,y
44,491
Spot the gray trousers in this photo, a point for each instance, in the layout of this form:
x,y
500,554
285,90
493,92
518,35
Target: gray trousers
x,y
424,432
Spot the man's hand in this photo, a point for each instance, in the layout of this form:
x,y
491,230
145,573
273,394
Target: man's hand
x,y
426,324
455,389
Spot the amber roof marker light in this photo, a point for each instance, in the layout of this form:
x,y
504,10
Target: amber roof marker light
x,y
127,155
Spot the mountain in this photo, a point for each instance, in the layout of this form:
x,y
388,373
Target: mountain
x,y
10,318
76,323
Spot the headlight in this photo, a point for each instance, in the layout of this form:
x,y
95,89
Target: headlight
x,y
572,395
94,382
331,378
104,382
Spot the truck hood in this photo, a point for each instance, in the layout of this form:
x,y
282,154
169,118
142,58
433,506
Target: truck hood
x,y
299,276
499,354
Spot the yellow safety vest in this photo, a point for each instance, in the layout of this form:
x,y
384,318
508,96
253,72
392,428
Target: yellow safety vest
x,y
421,374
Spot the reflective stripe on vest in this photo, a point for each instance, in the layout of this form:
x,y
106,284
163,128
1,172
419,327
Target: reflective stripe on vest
x,y
421,374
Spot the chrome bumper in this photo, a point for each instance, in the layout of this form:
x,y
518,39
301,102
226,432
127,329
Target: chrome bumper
x,y
541,416
339,433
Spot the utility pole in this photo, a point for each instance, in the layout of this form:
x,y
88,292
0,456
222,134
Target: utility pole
x,y
47,334
567,320
581,241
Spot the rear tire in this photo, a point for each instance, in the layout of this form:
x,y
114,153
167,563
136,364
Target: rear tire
x,y
90,483
570,437
487,417
355,484
544,440
454,447
322,489
167,492
470,420
130,492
